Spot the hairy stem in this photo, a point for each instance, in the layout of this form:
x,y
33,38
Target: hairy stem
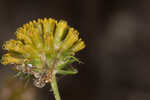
x,y
55,88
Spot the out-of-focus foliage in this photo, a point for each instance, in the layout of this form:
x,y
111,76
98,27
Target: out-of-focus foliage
x,y
15,90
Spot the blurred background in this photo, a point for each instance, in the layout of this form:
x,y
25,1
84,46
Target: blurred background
x,y
116,59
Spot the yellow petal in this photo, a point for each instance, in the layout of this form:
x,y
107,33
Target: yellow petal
x,y
78,46
70,39
61,30
7,59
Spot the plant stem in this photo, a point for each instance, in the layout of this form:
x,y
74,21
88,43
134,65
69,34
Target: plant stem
x,y
55,88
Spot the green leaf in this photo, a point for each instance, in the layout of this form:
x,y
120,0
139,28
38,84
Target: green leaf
x,y
68,71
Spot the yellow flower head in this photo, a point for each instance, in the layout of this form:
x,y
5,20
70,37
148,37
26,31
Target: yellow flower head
x,y
42,48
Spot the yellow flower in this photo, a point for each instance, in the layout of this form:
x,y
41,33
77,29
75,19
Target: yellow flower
x,y
43,47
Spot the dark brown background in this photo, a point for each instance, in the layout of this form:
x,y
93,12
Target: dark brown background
x,y
117,35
